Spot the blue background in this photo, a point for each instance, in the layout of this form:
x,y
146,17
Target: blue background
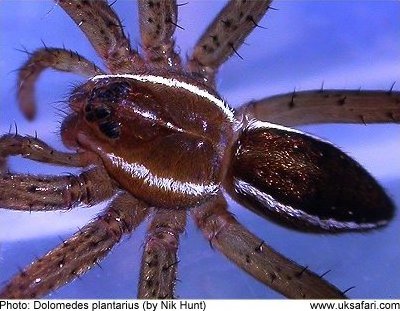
x,y
345,44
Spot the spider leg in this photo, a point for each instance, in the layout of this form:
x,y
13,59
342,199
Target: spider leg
x,y
225,35
103,28
43,193
252,255
78,254
326,106
3,165
58,59
159,261
158,20
37,150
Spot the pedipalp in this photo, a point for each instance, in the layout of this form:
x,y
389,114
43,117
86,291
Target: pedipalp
x,y
53,58
35,149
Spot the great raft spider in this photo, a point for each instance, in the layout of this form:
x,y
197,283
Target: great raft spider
x,y
251,160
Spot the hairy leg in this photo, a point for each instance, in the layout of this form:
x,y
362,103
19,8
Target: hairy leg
x,y
35,149
58,59
159,261
3,164
78,254
158,20
253,256
326,106
104,30
43,193
225,35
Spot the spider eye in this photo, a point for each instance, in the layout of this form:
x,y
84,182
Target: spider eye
x,y
110,92
111,129
93,113
99,107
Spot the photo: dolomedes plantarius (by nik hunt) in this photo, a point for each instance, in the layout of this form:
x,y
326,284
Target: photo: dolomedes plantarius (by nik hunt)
x,y
149,135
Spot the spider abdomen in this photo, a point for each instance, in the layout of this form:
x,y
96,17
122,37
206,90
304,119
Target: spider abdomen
x,y
303,182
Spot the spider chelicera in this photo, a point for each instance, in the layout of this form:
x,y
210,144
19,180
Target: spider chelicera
x,y
120,90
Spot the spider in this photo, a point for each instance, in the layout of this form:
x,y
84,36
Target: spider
x,y
292,292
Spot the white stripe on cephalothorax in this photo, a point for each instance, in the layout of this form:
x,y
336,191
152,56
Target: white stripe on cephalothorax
x,y
172,82
141,172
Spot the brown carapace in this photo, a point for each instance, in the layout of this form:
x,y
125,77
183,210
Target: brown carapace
x,y
153,134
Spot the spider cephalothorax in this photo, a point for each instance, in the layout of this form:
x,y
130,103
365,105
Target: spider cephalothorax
x,y
156,137
164,138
